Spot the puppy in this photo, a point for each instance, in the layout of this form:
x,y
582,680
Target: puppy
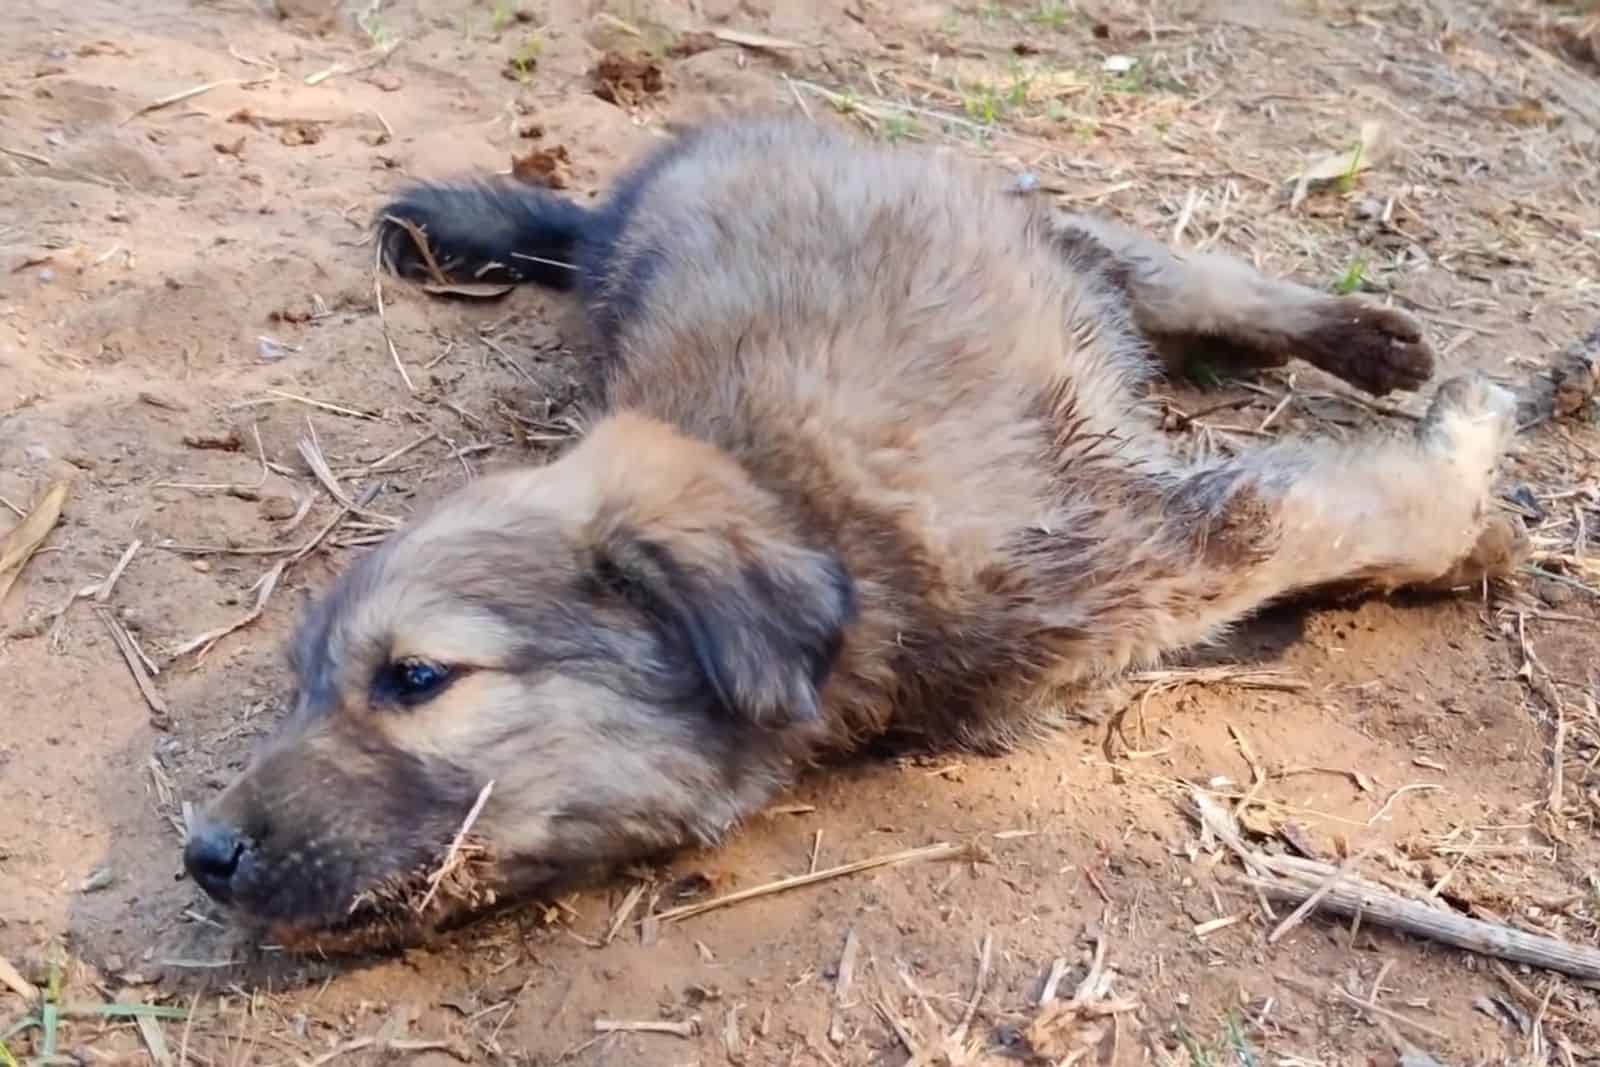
x,y
874,457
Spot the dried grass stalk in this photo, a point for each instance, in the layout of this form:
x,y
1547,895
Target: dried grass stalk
x,y
25,538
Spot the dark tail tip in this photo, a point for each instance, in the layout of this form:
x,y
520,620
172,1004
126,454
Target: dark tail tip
x,y
493,231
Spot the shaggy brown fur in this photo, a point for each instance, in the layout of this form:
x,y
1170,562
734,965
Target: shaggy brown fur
x,y
875,458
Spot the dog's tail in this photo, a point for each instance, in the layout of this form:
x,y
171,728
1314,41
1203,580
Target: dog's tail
x,y
494,231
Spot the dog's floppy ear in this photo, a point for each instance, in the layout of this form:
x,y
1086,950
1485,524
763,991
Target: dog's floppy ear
x,y
762,619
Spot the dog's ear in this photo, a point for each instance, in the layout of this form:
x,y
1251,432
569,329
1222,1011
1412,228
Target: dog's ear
x,y
763,620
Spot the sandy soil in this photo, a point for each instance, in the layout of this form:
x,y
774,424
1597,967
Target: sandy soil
x,y
186,294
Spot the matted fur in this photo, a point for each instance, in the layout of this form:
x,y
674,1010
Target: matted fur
x,y
875,458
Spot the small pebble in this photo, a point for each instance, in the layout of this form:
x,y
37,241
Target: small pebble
x,y
278,507
36,454
1554,594
100,879
270,350
202,566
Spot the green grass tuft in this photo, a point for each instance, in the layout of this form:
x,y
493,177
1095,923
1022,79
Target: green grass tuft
x,y
1353,278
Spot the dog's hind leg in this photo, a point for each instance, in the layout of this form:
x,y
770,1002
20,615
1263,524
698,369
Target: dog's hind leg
x,y
1216,306
1302,516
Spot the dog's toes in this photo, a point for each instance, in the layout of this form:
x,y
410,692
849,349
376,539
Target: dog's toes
x,y
1502,547
1376,349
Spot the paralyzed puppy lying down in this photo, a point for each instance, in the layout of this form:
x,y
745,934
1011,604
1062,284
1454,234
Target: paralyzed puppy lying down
x,y
874,459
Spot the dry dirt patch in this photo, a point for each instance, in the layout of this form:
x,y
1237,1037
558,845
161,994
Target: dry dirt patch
x,y
191,342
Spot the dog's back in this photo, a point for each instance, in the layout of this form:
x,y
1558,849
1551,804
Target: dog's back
x,y
886,339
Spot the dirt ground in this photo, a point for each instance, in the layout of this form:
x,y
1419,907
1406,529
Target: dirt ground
x,y
187,307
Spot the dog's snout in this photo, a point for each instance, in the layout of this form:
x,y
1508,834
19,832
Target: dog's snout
x,y
211,856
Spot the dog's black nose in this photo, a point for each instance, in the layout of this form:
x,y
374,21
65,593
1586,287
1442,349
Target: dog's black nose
x,y
211,856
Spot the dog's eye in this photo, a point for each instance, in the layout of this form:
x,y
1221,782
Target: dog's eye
x,y
413,681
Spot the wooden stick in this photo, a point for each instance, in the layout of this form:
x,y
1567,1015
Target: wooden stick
x,y
624,912
1352,896
960,1033
190,94
648,1026
135,661
1373,1011
1296,917
383,320
942,851
20,154
103,592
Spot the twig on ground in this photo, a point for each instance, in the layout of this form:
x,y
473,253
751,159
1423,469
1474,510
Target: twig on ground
x,y
647,1026
363,1043
424,246
12,979
337,409
332,524
1294,879
1376,904
901,1031
942,851
136,663
1367,1007
1067,1031
1415,787
264,587
103,592
505,357
378,465
261,479
383,319
841,987
1531,1000
20,154
847,966
311,451
624,912
155,1041
1052,981
959,1035
337,69
1307,906
190,94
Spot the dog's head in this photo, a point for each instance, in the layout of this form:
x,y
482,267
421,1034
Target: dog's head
x,y
625,648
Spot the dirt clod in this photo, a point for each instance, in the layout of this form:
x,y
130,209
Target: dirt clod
x,y
549,167
627,80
